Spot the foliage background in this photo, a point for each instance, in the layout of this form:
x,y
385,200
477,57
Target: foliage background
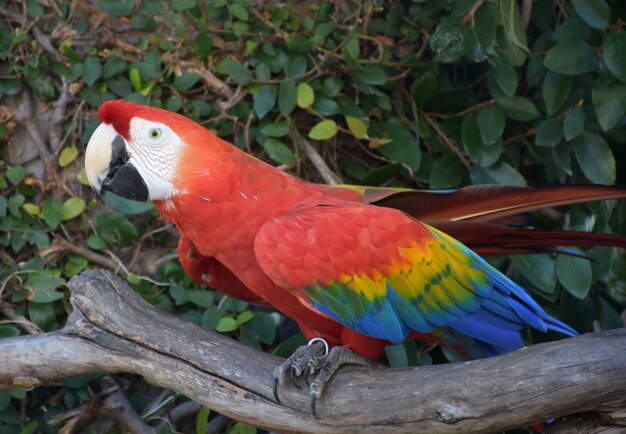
x,y
424,94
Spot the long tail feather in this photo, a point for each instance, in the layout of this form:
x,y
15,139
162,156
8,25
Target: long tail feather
x,y
494,239
486,202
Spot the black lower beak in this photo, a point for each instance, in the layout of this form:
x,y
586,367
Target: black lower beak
x,y
123,178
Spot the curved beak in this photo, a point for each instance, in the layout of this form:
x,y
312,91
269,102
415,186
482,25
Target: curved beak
x,y
109,167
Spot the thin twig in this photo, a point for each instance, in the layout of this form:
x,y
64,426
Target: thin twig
x,y
24,323
450,144
327,175
214,84
469,17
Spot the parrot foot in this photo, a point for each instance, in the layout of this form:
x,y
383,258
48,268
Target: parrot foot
x,y
316,358
297,363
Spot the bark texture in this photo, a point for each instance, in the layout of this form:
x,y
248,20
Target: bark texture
x,y
112,329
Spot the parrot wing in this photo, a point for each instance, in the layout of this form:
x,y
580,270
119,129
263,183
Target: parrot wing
x,y
384,274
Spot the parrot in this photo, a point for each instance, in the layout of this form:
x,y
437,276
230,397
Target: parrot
x,y
357,268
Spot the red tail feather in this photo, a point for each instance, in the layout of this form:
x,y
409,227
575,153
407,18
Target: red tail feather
x,y
487,202
494,239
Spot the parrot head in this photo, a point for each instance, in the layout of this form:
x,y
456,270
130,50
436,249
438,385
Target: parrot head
x,y
135,151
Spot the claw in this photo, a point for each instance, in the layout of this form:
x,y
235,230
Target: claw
x,y
315,359
293,371
313,401
275,388
308,371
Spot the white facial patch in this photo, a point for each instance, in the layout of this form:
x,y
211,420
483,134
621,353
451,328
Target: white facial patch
x,y
154,150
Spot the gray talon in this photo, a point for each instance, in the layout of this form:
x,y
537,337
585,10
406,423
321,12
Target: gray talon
x,y
315,359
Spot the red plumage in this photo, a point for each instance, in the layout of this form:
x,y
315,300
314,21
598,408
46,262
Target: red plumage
x,y
226,196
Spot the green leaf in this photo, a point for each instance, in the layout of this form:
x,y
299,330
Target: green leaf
x,y
425,90
296,66
126,206
278,151
15,174
505,75
447,41
42,285
5,398
226,324
595,158
574,273
572,28
305,97
596,13
609,104
614,50
186,81
491,122
182,5
323,130
286,97
7,331
264,100
357,127
135,79
556,88
51,213
30,427
31,209
574,123
332,86
115,228
235,70
398,143
518,108
244,317
118,8
42,314
201,298
297,43
202,420
571,57
92,70
238,11
549,133
514,32
210,317
483,155
96,242
609,318
500,173
397,356
538,269
68,155
203,44
279,129
113,66
446,172
71,208
372,74
535,70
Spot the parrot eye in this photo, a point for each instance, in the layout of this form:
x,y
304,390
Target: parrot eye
x,y
155,133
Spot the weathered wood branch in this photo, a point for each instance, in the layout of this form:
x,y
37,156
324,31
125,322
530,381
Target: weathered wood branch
x,y
113,329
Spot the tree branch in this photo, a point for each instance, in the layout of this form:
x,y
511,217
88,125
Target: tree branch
x,y
112,329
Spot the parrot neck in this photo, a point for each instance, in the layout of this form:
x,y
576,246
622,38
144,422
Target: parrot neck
x,y
225,195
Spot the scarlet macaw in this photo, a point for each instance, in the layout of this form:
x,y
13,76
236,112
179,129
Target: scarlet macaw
x,y
357,275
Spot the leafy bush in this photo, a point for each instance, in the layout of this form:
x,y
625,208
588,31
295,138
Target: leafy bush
x,y
423,94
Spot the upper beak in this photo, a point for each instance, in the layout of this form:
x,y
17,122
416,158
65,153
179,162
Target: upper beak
x,y
109,167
